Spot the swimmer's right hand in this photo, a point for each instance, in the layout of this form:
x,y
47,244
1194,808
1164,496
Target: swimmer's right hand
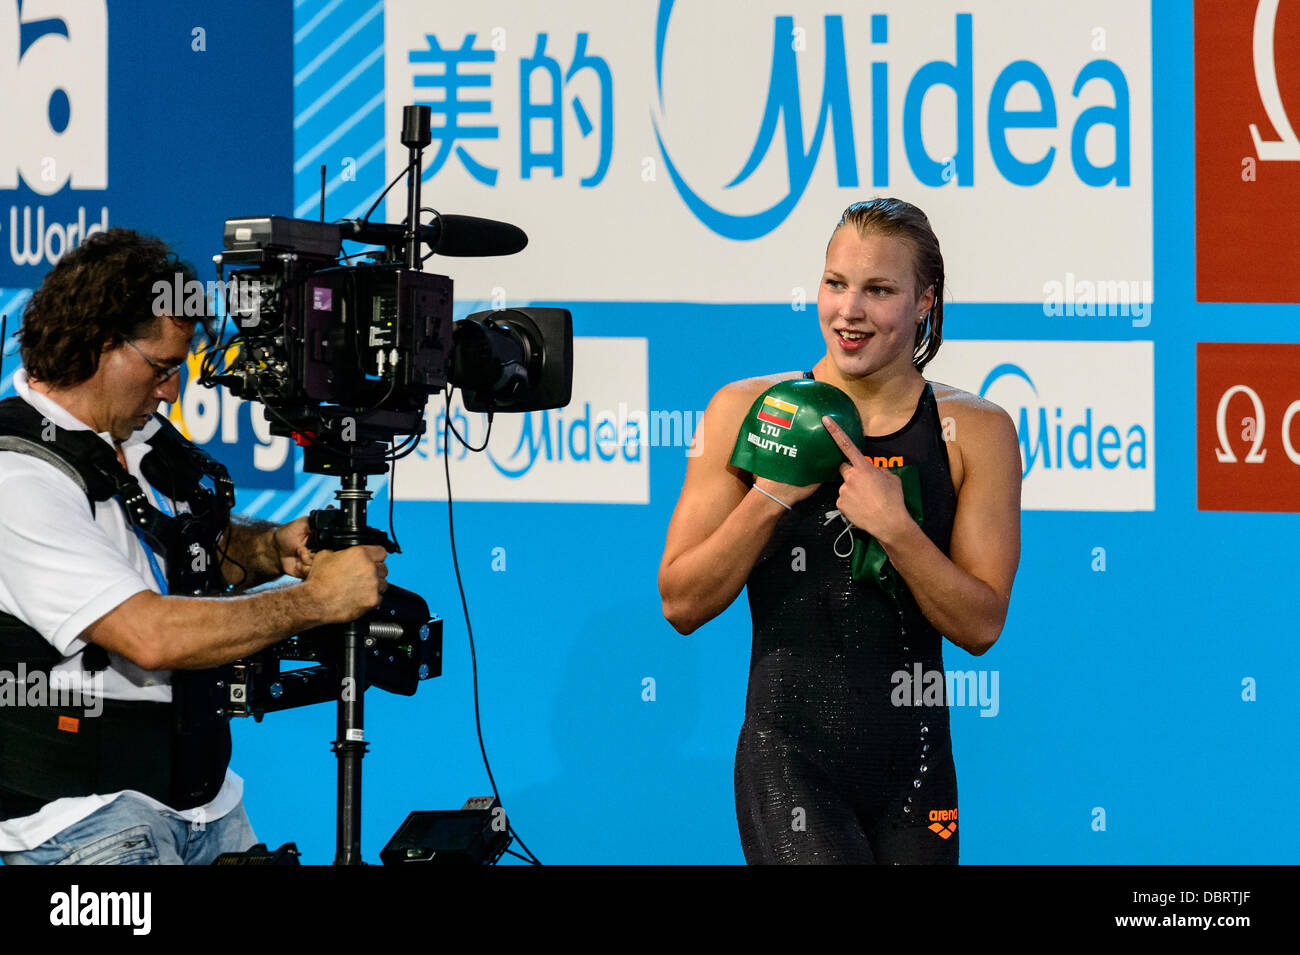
x,y
790,494
783,439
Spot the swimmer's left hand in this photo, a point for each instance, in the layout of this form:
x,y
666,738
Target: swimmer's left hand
x,y
870,497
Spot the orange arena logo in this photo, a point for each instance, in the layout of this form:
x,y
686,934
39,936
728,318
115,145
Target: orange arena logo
x,y
883,462
937,819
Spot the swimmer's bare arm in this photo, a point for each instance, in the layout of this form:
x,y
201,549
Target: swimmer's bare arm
x,y
966,597
721,524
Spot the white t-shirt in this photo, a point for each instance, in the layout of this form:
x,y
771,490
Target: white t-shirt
x,y
60,571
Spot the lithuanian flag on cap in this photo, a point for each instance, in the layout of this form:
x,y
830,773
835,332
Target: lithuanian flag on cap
x,y
777,412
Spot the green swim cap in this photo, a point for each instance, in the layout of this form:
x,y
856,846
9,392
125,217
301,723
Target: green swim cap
x,y
783,438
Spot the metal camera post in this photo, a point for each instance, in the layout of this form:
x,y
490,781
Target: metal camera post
x,y
335,530
393,647
350,746
416,134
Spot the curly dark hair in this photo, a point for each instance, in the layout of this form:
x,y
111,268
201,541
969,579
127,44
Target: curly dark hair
x,y
97,296
902,220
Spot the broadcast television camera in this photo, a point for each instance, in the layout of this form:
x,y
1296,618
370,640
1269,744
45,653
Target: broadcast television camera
x,y
345,358
321,342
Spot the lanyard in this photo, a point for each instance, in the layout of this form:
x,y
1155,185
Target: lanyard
x,y
153,561
148,551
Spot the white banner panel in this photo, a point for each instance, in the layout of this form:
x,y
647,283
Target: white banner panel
x,y
1085,413
596,450
699,151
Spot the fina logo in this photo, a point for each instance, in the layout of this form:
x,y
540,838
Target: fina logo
x,y
1074,447
54,113
783,108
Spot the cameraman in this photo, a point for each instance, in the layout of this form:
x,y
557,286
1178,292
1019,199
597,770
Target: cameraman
x,y
83,596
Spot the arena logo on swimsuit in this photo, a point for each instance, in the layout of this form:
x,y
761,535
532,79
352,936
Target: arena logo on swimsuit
x,y
937,819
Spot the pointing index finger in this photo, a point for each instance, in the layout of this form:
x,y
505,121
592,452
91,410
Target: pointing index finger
x,y
844,442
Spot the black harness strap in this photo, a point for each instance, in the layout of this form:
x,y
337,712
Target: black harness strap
x,y
177,752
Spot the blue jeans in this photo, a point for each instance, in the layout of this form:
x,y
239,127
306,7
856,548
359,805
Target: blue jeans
x,y
128,831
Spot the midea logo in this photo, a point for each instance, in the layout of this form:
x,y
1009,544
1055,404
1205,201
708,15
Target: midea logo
x,y
834,119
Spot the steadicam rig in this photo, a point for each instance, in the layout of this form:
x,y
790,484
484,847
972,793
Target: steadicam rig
x,y
345,358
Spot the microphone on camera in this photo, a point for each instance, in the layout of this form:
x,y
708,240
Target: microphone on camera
x,y
461,236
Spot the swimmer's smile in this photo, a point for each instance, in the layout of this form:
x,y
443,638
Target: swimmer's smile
x,y
853,339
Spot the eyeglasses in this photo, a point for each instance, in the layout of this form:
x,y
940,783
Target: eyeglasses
x,y
162,373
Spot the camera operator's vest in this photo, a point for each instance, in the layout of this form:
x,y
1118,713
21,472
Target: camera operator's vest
x,y
175,752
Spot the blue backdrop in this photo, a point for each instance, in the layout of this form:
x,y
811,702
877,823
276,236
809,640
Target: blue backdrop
x,y
1119,689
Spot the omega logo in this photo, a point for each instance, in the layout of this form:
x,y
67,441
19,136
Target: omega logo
x,y
1288,147
1257,450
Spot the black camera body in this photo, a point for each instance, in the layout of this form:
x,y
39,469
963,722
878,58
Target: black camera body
x,y
320,341
372,335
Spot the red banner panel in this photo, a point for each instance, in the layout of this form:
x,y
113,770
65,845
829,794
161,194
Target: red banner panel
x,y
1247,427
1247,151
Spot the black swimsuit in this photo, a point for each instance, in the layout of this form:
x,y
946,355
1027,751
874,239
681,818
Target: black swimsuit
x,y
829,766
